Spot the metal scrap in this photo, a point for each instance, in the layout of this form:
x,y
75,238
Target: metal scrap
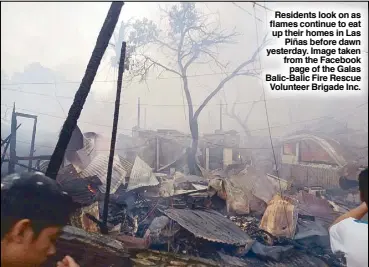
x,y
141,176
99,167
255,182
211,226
313,206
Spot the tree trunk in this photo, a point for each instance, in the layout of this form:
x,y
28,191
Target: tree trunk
x,y
191,154
84,88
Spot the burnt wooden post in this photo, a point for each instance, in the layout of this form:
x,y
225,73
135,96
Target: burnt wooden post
x,y
32,144
13,143
24,115
104,229
6,142
80,98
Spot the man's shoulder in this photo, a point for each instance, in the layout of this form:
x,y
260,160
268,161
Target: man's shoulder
x,y
347,233
348,228
350,222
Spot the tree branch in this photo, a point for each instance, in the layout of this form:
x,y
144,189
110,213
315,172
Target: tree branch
x,y
154,62
235,73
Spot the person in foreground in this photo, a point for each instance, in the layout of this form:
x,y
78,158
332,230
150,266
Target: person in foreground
x,y
349,234
33,211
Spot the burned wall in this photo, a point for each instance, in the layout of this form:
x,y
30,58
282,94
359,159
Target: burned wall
x,y
325,176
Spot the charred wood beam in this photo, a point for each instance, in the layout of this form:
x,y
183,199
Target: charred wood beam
x,y
13,143
42,157
24,115
113,138
25,166
32,149
8,137
4,153
75,110
7,143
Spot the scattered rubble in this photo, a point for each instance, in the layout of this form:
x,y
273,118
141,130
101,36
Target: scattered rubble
x,y
235,217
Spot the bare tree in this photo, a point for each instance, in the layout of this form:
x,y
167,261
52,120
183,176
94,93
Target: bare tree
x,y
240,117
191,38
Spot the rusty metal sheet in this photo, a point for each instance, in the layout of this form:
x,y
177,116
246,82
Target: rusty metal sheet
x,y
280,217
317,207
210,225
330,147
141,175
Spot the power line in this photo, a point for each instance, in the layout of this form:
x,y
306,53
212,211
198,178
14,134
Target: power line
x,y
99,150
159,105
114,81
268,123
250,131
152,105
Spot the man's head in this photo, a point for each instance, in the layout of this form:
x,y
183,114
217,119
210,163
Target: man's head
x,y
363,185
33,211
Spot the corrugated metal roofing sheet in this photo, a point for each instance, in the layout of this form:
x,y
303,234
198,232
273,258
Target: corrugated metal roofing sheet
x,y
141,175
99,167
126,165
78,190
331,148
210,225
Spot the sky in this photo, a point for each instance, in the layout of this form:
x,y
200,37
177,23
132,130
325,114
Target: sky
x,y
61,36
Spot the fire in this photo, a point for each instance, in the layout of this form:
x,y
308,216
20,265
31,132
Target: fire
x,y
91,189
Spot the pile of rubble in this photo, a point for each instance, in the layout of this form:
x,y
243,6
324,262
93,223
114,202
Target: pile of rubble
x,y
235,217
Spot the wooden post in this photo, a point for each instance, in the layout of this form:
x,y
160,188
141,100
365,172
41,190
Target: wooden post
x,y
32,144
7,143
207,157
13,143
104,229
84,88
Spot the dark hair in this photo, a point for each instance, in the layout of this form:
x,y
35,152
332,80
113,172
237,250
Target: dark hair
x,y
35,197
363,184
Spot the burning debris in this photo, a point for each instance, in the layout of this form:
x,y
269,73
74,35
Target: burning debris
x,y
235,217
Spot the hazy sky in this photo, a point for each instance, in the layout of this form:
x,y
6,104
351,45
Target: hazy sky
x,y
61,37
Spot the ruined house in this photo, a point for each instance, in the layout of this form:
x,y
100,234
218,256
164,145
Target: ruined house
x,y
220,149
311,160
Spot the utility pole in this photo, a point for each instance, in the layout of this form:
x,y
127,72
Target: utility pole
x,y
220,116
104,229
145,119
138,113
75,110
